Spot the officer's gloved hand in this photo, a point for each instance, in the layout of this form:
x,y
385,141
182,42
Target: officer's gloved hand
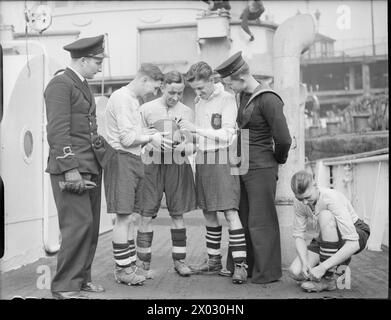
x,y
75,183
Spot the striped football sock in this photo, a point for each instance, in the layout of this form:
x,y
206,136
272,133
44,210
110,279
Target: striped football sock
x,y
327,249
178,237
132,248
213,241
144,244
121,255
237,244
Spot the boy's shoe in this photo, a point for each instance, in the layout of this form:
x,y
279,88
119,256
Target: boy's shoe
x,y
210,265
146,265
325,284
225,273
143,269
240,273
128,276
299,278
182,269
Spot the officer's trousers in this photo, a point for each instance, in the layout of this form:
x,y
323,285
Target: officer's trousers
x,y
78,217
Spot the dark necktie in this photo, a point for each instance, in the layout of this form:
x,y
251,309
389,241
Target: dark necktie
x,y
85,83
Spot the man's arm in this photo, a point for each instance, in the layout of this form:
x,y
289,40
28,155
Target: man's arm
x,y
346,251
58,110
299,228
302,251
150,137
228,121
131,132
272,109
59,117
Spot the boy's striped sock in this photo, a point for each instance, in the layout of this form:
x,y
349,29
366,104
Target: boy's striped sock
x,y
144,246
237,244
132,248
213,241
122,255
327,249
178,237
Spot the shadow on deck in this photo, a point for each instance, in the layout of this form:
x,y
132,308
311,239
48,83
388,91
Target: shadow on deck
x,y
369,273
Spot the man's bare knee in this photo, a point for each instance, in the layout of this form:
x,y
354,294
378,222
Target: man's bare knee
x,y
211,218
231,215
178,222
294,269
124,219
145,221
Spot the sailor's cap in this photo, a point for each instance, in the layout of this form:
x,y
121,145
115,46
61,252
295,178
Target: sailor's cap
x,y
87,47
231,65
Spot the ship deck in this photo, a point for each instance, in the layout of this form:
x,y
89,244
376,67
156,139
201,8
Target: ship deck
x,y
369,273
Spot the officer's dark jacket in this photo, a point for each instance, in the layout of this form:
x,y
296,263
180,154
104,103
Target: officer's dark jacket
x,y
269,139
71,125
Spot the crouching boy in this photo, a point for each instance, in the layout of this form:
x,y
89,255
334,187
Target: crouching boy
x,y
341,233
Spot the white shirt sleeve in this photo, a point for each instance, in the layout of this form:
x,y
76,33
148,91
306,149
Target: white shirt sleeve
x,y
229,114
299,220
144,116
128,120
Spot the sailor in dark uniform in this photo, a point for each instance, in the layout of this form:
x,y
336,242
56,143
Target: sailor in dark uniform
x,y
263,129
76,157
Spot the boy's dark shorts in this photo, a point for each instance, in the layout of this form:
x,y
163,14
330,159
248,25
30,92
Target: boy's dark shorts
x,y
123,179
216,188
176,181
362,230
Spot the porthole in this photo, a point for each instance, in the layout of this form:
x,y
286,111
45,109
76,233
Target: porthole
x,y
27,144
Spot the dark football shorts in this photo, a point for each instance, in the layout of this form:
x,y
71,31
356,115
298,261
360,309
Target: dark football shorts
x,y
362,230
176,181
216,188
123,179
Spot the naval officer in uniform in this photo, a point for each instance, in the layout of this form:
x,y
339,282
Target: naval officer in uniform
x,y
260,114
76,157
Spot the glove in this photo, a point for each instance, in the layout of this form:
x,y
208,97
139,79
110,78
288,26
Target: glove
x,y
75,183
72,187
